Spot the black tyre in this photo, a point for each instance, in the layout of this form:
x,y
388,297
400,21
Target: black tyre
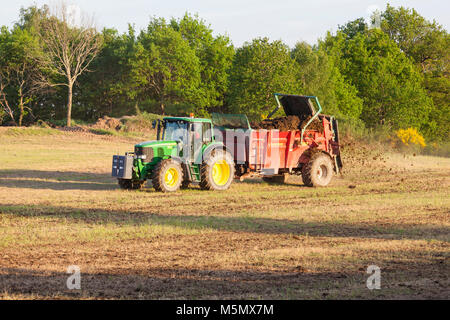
x,y
167,176
278,179
318,172
217,172
186,182
129,184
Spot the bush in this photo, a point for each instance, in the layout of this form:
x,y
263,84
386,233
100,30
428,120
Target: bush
x,y
63,122
349,126
2,116
42,124
436,149
142,122
411,136
103,131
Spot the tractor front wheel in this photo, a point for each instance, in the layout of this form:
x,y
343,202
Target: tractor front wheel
x,y
167,176
318,171
217,172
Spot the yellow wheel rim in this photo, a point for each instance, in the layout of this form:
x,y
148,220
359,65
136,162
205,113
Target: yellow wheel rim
x,y
221,172
171,177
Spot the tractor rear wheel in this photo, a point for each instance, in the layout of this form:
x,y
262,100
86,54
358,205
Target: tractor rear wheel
x,y
167,176
278,179
318,171
129,184
217,172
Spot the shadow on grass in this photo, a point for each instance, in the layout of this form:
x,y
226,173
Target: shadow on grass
x,y
165,283
258,181
61,175
233,223
33,184
66,180
72,180
401,280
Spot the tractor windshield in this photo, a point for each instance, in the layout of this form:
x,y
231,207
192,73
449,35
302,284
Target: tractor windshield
x,y
175,131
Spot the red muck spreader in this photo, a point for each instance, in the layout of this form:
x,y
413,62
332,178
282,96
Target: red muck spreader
x,y
310,149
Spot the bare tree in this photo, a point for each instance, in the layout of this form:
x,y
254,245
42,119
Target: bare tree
x,y
69,44
24,73
18,77
5,79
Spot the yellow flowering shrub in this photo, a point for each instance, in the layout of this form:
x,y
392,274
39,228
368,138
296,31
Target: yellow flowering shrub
x,y
412,136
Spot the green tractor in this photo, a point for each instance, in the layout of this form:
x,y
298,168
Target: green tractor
x,y
185,152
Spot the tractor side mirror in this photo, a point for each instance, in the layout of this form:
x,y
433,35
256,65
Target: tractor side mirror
x,y
153,124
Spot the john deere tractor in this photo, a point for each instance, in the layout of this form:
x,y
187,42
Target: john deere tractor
x,y
185,152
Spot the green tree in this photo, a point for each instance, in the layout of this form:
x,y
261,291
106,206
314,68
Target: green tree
x,y
428,44
47,102
106,90
352,28
165,68
17,72
261,68
386,80
319,76
6,76
215,55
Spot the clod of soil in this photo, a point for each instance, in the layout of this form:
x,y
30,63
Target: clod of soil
x,y
282,124
359,157
288,123
316,124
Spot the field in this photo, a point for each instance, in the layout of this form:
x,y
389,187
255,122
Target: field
x,y
60,207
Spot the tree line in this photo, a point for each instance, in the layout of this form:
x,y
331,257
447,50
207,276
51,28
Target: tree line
x,y
391,73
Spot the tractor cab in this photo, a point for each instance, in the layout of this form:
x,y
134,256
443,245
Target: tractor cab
x,y
189,133
174,131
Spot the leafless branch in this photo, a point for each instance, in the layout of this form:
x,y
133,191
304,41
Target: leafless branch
x,y
5,79
70,43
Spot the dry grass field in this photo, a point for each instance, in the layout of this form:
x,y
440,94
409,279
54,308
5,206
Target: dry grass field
x,y
60,207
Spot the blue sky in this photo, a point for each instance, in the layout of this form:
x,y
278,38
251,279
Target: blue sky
x,y
241,20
